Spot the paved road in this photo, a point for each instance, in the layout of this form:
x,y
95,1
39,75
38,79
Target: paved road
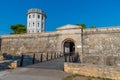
x,y
56,64
51,70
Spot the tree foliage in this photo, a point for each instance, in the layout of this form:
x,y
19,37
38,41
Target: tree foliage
x,y
82,25
18,29
93,27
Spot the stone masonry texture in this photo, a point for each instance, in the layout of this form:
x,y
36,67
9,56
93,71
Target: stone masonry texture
x,y
40,42
101,46
95,46
93,70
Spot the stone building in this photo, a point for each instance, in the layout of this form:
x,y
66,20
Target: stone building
x,y
95,46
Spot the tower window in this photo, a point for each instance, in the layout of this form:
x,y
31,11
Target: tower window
x,y
33,24
29,16
38,24
42,17
38,16
42,25
33,16
29,24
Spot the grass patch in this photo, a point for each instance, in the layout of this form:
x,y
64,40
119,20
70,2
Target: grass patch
x,y
72,77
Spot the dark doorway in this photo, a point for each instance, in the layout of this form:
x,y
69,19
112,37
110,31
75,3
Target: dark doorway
x,y
69,47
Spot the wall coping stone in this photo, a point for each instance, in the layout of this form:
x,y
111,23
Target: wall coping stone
x,y
102,30
31,35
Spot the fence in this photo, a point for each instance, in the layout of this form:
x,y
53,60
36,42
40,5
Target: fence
x,y
72,57
33,58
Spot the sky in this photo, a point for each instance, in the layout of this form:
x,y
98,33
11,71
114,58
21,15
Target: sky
x,y
99,13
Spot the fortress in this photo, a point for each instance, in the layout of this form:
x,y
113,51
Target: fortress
x,y
95,46
98,48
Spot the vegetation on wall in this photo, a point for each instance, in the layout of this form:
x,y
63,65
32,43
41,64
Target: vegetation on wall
x,y
82,77
84,26
18,29
93,27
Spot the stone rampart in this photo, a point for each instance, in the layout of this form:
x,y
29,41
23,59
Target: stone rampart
x,y
41,42
101,30
93,70
95,46
101,46
25,43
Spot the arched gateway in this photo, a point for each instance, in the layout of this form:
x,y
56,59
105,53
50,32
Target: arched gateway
x,y
69,46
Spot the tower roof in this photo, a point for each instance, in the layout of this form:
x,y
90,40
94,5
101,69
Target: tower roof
x,y
36,10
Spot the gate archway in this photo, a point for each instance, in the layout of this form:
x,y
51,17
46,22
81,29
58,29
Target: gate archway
x,y
69,46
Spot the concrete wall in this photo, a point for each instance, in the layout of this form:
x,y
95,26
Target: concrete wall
x,y
101,46
94,71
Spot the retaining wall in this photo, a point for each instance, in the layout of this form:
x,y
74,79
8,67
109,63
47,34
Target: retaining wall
x,y
93,70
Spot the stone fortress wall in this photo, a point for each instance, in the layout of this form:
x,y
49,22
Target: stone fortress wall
x,y
100,54
40,42
28,43
95,46
99,49
102,46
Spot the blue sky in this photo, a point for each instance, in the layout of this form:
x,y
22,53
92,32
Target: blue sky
x,y
100,13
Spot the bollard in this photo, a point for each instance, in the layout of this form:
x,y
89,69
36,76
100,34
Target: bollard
x,y
47,57
54,55
72,59
33,61
65,58
51,56
41,58
69,59
57,55
21,61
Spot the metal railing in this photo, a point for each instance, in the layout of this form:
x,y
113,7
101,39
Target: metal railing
x,y
36,58
72,57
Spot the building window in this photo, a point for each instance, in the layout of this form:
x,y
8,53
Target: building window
x,y
38,16
33,24
42,17
33,15
29,24
38,24
29,16
42,25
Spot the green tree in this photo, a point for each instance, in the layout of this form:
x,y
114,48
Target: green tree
x,y
93,27
83,25
18,29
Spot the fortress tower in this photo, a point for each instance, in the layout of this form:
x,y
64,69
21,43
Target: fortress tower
x,y
35,21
